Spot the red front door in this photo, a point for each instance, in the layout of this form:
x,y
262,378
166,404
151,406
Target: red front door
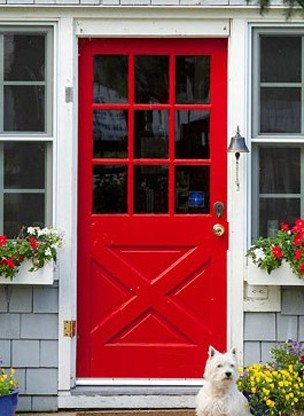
x,y
152,166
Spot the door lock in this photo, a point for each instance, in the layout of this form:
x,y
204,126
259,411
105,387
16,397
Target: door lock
x,y
219,209
218,230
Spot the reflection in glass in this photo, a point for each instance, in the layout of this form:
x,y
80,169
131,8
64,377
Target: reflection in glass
x,y
24,57
109,189
276,53
192,189
279,170
20,209
192,79
151,134
151,189
151,79
280,110
110,79
277,209
24,108
110,130
192,134
24,165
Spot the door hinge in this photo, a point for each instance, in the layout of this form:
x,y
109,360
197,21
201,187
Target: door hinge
x,y
69,328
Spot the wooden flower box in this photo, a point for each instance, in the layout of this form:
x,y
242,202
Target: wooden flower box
x,y
283,276
44,276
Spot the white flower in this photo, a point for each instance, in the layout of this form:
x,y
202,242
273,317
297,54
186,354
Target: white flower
x,y
48,252
31,230
259,254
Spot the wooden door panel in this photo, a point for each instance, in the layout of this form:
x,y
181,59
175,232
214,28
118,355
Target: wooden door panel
x,y
151,285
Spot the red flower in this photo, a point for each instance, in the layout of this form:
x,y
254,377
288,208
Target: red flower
x,y
3,239
8,262
299,226
298,254
298,239
284,226
302,359
277,252
33,243
302,268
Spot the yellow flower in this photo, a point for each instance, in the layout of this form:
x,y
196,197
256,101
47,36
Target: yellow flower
x,y
253,390
270,403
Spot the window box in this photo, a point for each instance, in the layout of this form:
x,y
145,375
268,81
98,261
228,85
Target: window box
x,y
283,276
43,276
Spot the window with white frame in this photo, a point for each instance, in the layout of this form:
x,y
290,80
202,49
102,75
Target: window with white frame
x,y
25,127
277,129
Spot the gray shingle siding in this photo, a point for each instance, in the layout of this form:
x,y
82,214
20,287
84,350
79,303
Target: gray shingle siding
x,y
29,343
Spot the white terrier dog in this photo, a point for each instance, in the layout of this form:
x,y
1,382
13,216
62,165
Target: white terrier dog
x,y
219,395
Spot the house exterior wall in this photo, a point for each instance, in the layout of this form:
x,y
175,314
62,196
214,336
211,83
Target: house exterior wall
x,y
31,319
29,343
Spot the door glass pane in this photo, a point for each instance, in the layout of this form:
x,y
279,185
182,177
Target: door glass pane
x,y
275,210
276,53
151,189
192,79
110,79
192,192
22,209
151,134
24,108
192,134
110,133
24,57
151,79
280,110
279,170
109,189
24,165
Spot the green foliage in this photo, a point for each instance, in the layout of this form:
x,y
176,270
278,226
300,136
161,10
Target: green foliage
x,y
292,6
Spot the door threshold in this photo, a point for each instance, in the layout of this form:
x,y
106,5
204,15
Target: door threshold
x,y
139,382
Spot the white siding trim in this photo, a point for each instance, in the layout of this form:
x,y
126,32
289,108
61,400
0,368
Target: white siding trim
x,y
237,200
66,193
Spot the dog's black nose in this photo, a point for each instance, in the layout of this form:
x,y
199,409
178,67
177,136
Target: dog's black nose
x,y
228,373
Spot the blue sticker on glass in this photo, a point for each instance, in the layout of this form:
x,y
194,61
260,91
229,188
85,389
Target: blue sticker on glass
x,y
196,199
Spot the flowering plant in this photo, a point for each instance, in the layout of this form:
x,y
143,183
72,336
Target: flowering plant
x,y
33,243
276,388
288,244
8,381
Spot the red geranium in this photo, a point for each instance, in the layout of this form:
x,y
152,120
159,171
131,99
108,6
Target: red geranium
x,y
284,226
301,268
10,262
277,252
298,239
297,254
3,239
33,243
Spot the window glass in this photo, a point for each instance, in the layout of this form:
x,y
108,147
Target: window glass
x,y
192,79
151,189
278,166
110,133
276,53
110,79
24,83
151,134
280,110
26,152
151,79
109,189
192,134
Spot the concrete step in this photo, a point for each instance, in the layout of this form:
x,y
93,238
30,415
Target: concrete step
x,y
166,412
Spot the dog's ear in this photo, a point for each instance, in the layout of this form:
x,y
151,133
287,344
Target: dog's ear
x,y
233,350
212,351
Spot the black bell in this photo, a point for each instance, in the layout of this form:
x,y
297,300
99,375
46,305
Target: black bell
x,y
237,143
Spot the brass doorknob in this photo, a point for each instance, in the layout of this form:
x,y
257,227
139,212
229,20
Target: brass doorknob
x,y
218,230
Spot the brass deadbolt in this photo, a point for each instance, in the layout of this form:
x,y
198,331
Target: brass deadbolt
x,y
218,230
